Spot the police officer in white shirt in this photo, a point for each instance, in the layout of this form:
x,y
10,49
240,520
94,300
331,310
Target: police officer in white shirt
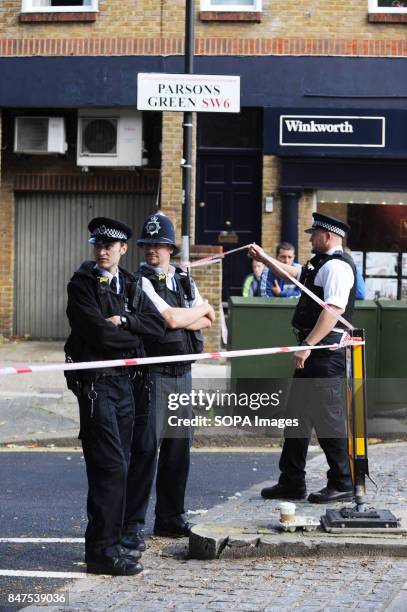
x,y
316,397
177,299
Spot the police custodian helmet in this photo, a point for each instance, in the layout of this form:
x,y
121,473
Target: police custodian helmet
x,y
103,229
158,229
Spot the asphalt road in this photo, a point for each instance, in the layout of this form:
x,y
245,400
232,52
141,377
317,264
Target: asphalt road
x,y
43,495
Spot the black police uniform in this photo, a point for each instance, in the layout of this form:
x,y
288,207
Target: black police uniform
x,y
151,430
318,402
105,396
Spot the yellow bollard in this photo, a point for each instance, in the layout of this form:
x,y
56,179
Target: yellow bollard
x,y
361,518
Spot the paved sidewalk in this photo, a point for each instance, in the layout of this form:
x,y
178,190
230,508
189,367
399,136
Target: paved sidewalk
x,y
249,526
305,579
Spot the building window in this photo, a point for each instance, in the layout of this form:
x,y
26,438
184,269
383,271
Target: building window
x,y
59,6
388,6
231,5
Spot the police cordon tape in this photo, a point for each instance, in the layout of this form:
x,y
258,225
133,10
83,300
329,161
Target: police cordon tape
x,y
212,258
93,365
112,363
218,258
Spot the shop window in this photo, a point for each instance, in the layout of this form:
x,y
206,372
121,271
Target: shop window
x,y
380,252
388,6
236,6
59,6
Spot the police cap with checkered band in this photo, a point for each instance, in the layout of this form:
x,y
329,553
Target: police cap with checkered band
x,y
328,224
103,229
158,229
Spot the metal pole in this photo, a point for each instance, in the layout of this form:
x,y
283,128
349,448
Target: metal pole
x,y
187,133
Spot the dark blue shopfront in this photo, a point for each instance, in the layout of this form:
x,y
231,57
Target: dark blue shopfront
x,y
337,149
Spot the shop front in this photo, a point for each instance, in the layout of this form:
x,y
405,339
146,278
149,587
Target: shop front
x,y
355,165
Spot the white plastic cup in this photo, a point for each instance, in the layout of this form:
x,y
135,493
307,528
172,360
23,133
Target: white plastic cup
x,y
287,512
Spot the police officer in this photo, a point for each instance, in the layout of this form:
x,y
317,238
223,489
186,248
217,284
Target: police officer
x,y
331,275
103,326
176,297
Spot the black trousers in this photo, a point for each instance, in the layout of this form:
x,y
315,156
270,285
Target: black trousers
x,y
317,400
106,429
152,433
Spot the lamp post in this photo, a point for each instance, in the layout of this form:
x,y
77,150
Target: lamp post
x,y
187,133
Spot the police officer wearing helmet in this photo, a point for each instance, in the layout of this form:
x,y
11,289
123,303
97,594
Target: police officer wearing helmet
x,y
104,326
331,275
177,298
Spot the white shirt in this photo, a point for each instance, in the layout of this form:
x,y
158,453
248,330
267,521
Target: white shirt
x,y
157,300
110,276
336,278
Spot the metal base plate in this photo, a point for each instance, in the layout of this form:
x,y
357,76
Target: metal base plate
x,y
347,518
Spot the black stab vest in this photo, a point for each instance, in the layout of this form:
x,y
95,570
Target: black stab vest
x,y
307,311
111,303
175,341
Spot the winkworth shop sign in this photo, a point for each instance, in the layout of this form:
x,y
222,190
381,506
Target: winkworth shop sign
x,y
335,132
331,131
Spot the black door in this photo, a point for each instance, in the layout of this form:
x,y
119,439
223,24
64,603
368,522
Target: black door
x,y
228,209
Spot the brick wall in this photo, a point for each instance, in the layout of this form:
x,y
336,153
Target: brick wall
x,y
149,27
171,173
271,222
209,282
305,210
6,251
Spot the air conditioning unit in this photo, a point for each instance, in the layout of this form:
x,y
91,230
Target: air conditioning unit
x,y
39,135
108,137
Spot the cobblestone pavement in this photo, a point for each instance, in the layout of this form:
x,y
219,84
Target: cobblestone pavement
x,y
171,582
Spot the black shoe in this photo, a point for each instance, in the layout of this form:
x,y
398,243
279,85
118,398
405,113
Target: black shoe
x,y
131,553
328,494
120,551
176,527
121,565
123,551
279,491
134,541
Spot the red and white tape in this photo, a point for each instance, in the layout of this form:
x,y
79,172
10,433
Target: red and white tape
x,y
94,365
218,258
212,258
323,304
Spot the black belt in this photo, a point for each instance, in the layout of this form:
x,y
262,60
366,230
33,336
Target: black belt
x,y
171,369
301,334
119,371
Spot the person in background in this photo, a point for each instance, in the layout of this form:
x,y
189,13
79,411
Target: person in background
x,y
273,286
251,284
360,283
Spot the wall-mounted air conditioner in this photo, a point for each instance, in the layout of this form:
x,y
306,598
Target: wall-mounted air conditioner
x,y
109,137
39,135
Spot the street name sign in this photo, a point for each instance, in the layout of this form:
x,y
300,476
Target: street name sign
x,y
202,93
